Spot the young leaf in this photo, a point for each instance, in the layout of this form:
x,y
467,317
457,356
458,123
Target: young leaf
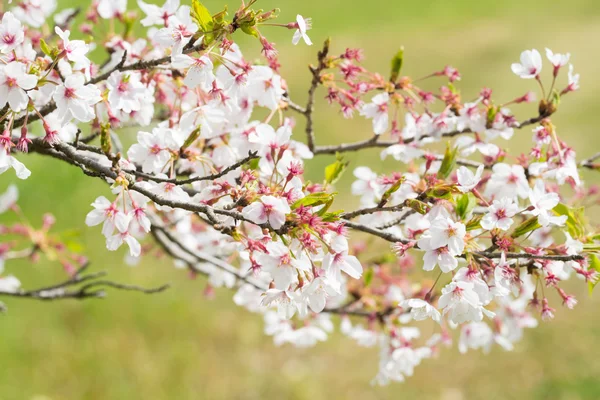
x,y
314,199
369,273
333,172
594,264
397,65
575,220
474,223
45,48
201,16
448,162
388,193
465,205
525,227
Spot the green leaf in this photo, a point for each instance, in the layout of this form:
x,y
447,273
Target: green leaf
x,y
491,114
324,209
201,16
418,206
253,164
594,264
250,29
192,137
465,205
397,62
575,219
448,162
331,216
314,200
442,191
474,223
388,193
526,226
45,48
105,140
333,172
591,248
369,273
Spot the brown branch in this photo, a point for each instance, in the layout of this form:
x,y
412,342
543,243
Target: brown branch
x,y
251,156
310,104
91,289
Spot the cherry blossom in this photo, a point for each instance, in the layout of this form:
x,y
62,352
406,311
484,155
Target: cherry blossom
x,y
156,15
178,31
111,8
467,180
14,84
269,209
125,91
420,310
303,25
11,33
542,204
75,99
378,111
500,214
530,66
234,181
75,50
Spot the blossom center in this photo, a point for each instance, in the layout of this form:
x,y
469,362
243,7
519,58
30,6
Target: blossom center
x,y
11,82
8,38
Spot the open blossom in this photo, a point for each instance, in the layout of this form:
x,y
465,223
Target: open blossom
x,y
543,203
7,161
75,99
530,66
378,111
467,180
9,284
283,300
437,256
420,310
445,232
557,60
200,71
74,50
14,83
278,262
507,181
268,209
264,87
506,278
303,24
112,8
115,241
573,80
106,212
317,293
11,33
125,91
8,198
500,214
461,303
35,12
156,15
178,31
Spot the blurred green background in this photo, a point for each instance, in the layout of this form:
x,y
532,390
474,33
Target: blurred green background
x,y
179,345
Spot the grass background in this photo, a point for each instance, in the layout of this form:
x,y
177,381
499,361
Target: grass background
x,y
179,345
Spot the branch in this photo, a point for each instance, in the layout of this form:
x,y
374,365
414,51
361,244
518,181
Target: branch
x,y
373,141
251,156
316,80
91,289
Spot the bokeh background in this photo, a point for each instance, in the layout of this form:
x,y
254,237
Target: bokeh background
x,y
179,345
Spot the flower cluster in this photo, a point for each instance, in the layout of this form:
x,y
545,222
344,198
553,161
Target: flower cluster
x,y
215,176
